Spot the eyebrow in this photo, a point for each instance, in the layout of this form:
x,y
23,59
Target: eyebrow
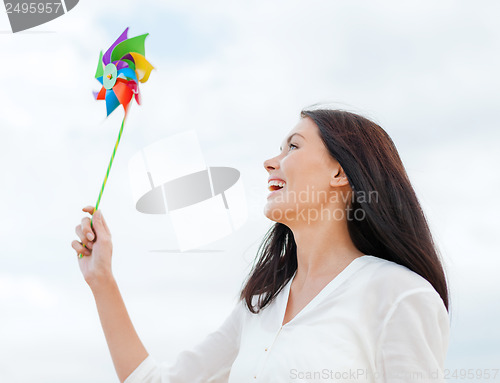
x,y
290,138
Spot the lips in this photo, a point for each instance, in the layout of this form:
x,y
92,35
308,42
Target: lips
x,y
275,184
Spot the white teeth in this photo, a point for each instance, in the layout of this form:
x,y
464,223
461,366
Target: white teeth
x,y
276,183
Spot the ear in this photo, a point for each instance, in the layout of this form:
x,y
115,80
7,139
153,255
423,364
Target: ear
x,y
338,178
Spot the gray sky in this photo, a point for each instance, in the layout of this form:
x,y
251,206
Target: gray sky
x,y
239,75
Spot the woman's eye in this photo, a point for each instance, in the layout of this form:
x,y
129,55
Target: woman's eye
x,y
292,145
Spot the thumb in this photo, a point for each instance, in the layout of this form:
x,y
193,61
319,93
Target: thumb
x,y
98,224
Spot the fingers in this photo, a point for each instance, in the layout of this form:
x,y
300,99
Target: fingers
x,y
89,209
83,239
88,233
79,248
87,230
85,233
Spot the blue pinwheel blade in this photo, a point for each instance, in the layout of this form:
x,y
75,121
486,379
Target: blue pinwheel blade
x,y
111,101
129,73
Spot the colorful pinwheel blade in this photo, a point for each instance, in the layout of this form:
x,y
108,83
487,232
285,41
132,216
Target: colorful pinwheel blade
x,y
135,89
123,94
100,70
127,73
120,64
102,94
130,63
111,101
143,67
107,56
134,44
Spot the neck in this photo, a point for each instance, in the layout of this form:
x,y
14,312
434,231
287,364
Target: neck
x,y
323,248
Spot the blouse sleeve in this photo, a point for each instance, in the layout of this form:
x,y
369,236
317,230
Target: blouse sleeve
x,y
414,340
208,361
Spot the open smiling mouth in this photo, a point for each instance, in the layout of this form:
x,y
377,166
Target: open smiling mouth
x,y
275,185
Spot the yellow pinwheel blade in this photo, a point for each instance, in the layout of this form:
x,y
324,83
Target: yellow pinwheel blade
x,y
142,66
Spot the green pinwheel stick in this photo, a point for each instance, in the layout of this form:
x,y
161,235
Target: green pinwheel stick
x,y
120,70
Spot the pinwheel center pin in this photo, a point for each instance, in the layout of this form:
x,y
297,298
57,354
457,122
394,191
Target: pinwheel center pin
x,y
109,78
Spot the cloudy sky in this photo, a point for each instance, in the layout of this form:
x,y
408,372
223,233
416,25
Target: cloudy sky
x,y
238,73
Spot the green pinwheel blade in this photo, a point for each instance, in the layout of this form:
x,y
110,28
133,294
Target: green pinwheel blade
x,y
134,44
130,63
100,70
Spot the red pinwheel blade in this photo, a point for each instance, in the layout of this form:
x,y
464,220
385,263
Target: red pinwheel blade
x,y
102,94
123,93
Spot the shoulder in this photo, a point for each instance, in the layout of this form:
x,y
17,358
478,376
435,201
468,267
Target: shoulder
x,y
402,300
392,280
414,329
386,286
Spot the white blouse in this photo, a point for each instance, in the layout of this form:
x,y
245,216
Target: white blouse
x,y
376,321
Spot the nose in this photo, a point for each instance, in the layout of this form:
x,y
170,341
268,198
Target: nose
x,y
271,164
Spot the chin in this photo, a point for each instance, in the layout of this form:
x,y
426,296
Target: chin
x,y
275,213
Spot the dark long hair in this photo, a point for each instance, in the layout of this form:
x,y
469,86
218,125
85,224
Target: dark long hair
x,y
394,228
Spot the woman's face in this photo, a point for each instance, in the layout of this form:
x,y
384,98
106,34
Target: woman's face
x,y
308,173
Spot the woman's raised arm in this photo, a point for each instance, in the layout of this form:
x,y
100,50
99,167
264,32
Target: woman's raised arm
x,y
209,360
127,350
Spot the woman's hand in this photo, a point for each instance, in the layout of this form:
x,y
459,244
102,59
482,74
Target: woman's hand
x,y
95,263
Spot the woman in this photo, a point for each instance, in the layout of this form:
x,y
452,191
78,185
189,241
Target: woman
x,y
347,285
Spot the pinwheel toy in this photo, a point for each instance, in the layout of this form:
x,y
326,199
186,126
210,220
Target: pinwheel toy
x,y
119,71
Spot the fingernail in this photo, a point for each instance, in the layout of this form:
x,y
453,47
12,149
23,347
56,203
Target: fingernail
x,y
90,237
79,255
